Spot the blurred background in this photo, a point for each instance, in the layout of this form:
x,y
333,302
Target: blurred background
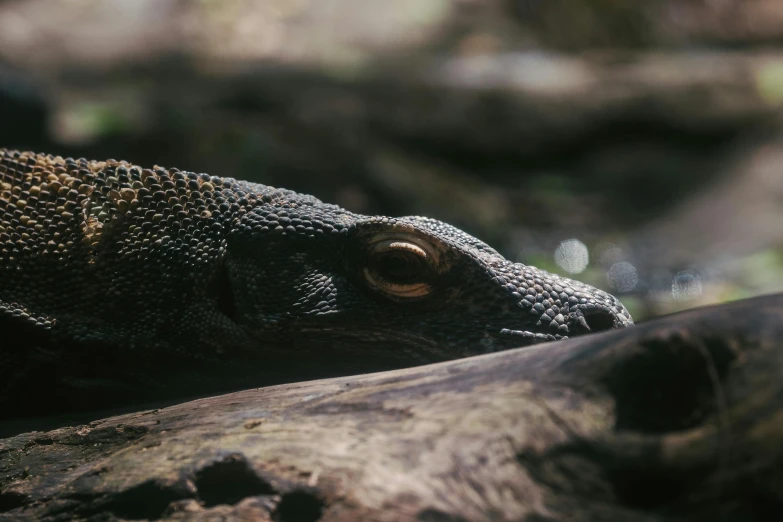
x,y
635,145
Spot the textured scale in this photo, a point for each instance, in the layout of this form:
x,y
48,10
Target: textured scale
x,y
119,283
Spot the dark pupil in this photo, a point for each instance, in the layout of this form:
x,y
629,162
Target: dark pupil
x,y
399,267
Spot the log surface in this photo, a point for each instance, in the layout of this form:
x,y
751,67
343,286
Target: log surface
x,y
680,418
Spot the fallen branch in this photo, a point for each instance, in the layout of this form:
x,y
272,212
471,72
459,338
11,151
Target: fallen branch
x,y
678,418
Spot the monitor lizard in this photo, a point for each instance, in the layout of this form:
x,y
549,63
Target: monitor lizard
x,y
122,283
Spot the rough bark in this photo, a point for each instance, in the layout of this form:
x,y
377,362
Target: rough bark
x,y
680,418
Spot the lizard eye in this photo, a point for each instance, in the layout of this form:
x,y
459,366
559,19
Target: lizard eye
x,y
399,268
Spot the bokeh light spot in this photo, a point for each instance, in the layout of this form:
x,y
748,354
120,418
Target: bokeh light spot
x,y
572,256
686,285
622,276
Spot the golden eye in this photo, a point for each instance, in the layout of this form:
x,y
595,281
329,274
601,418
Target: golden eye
x,y
399,268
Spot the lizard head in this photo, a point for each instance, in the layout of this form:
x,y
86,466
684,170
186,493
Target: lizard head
x,y
413,288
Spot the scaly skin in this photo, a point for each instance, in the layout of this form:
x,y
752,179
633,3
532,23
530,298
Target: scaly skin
x,y
121,283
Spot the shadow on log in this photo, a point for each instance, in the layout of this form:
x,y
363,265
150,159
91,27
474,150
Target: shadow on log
x,y
680,418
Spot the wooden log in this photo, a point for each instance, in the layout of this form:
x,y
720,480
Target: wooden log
x,y
680,418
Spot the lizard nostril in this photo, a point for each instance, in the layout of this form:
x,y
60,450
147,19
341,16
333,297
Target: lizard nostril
x,y
599,321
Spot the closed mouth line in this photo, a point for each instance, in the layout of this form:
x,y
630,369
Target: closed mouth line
x,y
530,335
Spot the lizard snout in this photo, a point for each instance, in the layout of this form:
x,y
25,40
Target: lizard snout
x,y
559,307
